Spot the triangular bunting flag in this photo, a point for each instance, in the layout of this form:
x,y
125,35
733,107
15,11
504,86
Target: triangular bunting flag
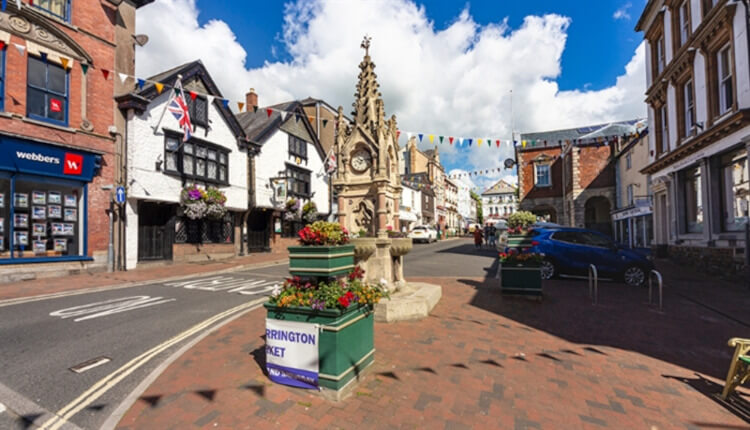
x,y
21,49
420,137
296,118
140,83
240,105
312,119
479,142
123,77
497,142
225,102
460,141
5,4
523,143
105,73
450,139
44,56
470,140
209,99
193,95
64,61
441,139
432,138
269,111
159,87
325,123
398,134
84,68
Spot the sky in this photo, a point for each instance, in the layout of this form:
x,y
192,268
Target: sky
x,y
444,67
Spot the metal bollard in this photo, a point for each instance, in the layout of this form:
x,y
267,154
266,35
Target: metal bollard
x,y
593,284
650,288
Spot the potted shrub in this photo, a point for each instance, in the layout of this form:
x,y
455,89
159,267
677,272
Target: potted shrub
x,y
324,251
520,273
343,309
519,228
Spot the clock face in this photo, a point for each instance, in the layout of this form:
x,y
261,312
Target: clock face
x,y
361,160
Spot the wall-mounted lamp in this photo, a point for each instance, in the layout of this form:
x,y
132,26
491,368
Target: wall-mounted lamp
x,y
158,163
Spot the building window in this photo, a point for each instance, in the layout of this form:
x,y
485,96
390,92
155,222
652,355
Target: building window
x,y
630,195
684,16
693,201
58,8
299,181
297,147
735,190
195,160
659,53
628,162
726,90
542,175
198,109
663,135
47,92
687,94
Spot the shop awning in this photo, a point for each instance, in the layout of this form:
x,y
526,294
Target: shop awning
x,y
407,216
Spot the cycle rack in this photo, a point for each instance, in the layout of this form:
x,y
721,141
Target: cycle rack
x,y
650,288
593,284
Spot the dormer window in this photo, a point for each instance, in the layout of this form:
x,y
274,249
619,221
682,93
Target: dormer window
x,y
297,147
198,110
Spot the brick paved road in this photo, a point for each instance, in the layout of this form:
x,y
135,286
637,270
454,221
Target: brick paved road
x,y
480,361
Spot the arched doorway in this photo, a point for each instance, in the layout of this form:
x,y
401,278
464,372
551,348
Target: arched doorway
x,y
597,216
545,213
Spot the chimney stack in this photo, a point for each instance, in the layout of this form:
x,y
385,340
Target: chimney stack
x,y
251,99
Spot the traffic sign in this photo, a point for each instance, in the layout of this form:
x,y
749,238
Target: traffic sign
x,y
120,195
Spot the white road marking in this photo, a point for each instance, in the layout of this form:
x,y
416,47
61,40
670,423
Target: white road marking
x,y
80,368
109,307
105,384
230,284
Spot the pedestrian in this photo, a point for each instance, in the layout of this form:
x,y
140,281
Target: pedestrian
x,y
486,234
493,238
478,238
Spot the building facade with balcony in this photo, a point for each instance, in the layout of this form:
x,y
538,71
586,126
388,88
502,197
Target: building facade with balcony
x,y
632,216
698,96
499,201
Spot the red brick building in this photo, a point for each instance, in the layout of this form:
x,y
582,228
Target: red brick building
x,y
568,176
59,128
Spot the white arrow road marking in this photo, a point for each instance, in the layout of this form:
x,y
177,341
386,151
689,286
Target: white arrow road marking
x,y
227,283
2,408
109,307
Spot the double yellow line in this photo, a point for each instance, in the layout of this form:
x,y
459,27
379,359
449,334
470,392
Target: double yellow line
x,y
105,384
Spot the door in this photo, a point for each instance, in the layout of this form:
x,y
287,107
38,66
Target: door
x,y
258,231
571,257
155,231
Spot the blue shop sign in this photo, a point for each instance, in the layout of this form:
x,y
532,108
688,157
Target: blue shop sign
x,y
25,156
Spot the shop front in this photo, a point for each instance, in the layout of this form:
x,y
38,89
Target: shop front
x,y
634,225
44,201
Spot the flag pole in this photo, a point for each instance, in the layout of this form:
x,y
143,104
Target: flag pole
x,y
166,105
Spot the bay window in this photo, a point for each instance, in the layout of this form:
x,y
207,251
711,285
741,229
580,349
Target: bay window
x,y
299,181
196,160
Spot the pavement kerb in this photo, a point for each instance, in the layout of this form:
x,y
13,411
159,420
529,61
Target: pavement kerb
x,y
124,406
238,268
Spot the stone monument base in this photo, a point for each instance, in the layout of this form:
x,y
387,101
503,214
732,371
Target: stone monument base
x,y
413,301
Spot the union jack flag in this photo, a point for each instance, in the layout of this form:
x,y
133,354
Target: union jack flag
x,y
180,110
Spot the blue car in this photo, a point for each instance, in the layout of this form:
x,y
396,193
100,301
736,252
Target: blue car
x,y
569,251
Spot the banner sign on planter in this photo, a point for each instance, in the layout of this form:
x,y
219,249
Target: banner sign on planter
x,y
292,353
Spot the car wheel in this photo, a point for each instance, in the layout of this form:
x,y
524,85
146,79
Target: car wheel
x,y
634,276
547,269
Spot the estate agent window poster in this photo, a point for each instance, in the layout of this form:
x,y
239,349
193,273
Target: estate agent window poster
x,y
61,245
2,225
21,220
54,211
70,214
38,212
2,200
21,200
70,201
68,229
2,243
54,198
57,228
39,229
38,198
40,246
22,238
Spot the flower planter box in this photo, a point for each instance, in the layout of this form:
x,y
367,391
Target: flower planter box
x,y
321,261
525,280
519,241
345,346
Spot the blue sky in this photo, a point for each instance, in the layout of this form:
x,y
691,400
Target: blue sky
x,y
598,45
444,67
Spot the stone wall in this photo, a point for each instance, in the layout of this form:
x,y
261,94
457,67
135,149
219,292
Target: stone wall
x,y
728,262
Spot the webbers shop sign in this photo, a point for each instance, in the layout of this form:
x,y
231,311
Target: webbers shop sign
x,y
36,158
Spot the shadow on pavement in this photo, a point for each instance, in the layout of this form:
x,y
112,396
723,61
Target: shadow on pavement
x,y
736,403
686,334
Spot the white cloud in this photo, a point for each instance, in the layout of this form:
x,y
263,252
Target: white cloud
x,y
622,12
452,81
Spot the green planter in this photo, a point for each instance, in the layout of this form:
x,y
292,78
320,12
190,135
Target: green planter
x,y
520,241
321,261
525,280
346,346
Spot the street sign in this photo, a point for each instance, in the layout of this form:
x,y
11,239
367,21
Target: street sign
x,y
120,195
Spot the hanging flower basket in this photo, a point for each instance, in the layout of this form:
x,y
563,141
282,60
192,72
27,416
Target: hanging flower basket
x,y
198,203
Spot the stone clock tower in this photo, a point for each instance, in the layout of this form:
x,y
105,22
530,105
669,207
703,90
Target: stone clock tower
x,y
368,180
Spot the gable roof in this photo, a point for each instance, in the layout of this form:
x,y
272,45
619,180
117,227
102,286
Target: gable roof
x,y
139,98
500,187
259,126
